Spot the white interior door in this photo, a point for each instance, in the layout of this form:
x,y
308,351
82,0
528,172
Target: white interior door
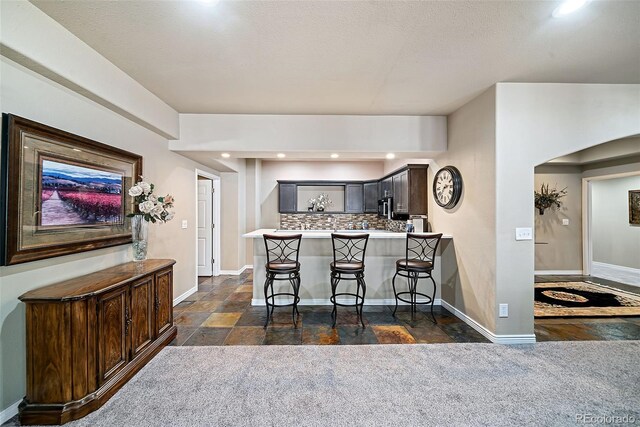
x,y
205,227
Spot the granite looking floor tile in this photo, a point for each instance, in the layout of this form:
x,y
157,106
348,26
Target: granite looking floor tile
x,y
614,331
239,297
284,318
282,336
320,335
317,318
232,306
348,316
355,335
393,334
221,320
246,335
245,288
208,336
216,295
202,306
567,332
191,319
461,332
430,335
195,296
184,332
381,318
253,316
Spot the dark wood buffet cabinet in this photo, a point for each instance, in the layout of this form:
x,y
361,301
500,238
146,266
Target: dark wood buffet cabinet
x,y
86,337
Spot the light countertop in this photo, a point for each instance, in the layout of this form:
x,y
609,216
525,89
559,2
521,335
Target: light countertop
x,y
326,234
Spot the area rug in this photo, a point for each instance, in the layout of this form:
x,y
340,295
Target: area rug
x,y
578,299
544,384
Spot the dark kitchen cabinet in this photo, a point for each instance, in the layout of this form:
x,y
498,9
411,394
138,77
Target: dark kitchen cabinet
x,y
386,187
370,197
288,197
400,183
354,198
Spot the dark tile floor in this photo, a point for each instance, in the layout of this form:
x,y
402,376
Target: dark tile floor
x,y
588,328
221,314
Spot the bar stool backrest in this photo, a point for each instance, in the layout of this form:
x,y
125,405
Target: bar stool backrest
x,y
282,249
422,247
349,248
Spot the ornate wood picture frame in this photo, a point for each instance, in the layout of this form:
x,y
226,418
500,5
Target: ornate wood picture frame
x,y
61,193
634,207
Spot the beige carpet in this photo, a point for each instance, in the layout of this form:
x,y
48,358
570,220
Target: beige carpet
x,y
577,299
546,384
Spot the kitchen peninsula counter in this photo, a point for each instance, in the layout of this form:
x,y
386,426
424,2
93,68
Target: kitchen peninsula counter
x,y
316,253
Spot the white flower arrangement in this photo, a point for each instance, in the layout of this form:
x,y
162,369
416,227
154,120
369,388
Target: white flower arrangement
x,y
152,208
320,202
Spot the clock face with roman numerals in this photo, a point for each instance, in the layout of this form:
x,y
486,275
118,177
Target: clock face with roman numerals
x,y
447,187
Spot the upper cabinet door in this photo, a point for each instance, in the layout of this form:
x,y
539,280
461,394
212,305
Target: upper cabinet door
x,y
386,188
354,198
287,193
401,192
371,197
418,191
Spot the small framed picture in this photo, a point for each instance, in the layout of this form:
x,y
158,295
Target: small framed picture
x,y
61,193
634,207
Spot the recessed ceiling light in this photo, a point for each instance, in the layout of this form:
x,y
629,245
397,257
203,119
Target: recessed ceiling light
x,y
567,7
225,155
335,155
281,155
390,156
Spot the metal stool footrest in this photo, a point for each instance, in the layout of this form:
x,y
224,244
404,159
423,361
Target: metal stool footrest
x,y
428,301
296,299
359,299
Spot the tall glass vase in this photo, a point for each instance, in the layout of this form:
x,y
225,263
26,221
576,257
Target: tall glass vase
x,y
139,234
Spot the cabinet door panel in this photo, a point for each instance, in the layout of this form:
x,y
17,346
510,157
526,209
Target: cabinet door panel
x,y
288,200
164,301
370,197
354,198
113,314
142,315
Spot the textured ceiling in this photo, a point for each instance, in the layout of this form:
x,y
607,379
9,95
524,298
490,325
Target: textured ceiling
x,y
351,57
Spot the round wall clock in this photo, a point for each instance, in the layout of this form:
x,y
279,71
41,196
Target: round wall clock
x,y
447,187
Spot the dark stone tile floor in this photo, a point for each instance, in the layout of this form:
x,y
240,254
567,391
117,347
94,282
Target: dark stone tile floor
x,y
588,328
220,313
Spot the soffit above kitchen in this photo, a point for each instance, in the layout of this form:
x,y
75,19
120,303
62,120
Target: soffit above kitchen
x,y
385,58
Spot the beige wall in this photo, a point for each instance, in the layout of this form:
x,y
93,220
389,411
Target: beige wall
x,y
29,95
272,171
469,260
559,247
233,221
534,124
614,240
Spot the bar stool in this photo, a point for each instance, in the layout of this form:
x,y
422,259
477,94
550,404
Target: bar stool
x,y
418,263
282,260
348,259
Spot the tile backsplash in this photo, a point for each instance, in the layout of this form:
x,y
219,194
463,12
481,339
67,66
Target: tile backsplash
x,y
318,221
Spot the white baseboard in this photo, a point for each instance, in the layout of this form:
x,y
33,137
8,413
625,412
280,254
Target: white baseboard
x,y
10,412
324,301
185,295
236,272
619,273
498,339
558,272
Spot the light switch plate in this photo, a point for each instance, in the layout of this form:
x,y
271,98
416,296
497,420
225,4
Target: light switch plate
x,y
565,221
504,310
525,233
184,223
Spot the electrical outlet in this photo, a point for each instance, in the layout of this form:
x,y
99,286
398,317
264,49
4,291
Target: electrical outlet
x,y
565,221
524,233
504,310
184,223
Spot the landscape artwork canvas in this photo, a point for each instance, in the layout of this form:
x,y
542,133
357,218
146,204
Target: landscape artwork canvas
x,y
79,195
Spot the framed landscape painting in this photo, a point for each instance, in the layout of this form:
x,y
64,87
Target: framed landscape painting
x,y
61,193
634,207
